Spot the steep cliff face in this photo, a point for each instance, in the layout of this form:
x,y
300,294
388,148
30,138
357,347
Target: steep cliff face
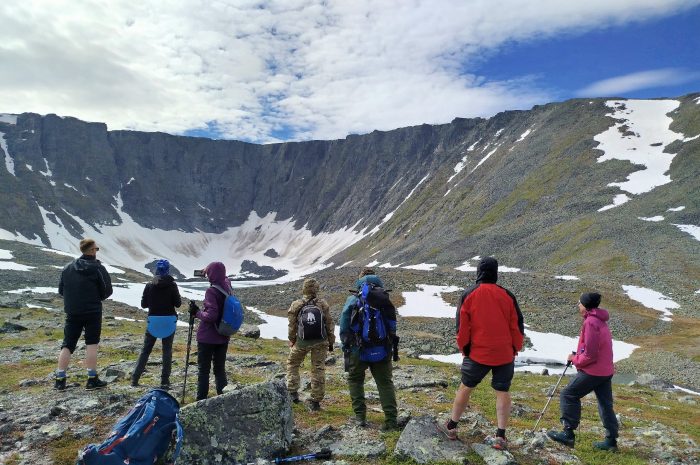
x,y
527,185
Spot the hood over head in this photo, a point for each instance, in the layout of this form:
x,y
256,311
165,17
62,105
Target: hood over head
x,y
85,264
370,278
310,287
599,313
216,274
487,271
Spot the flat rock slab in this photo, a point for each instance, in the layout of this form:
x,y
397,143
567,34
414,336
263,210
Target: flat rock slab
x,y
422,442
492,456
350,441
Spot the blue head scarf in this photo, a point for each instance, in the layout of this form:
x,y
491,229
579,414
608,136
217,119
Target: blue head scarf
x,y
162,267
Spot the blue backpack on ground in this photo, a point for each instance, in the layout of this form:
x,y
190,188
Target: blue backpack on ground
x,y
143,436
232,316
370,324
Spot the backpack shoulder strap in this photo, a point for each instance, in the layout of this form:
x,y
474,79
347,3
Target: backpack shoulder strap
x,y
221,289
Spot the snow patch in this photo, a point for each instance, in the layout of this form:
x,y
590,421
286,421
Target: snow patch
x,y
617,201
421,267
388,216
524,135
48,172
130,245
640,135
466,266
132,180
427,301
14,266
8,118
9,162
567,277
547,348
70,187
651,299
5,254
389,265
29,167
690,229
652,219
373,263
676,209
343,265
471,147
484,159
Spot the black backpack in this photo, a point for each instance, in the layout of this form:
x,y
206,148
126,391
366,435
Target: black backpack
x,y
310,324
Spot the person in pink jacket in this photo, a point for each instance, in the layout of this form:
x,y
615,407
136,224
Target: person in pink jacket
x,y
594,362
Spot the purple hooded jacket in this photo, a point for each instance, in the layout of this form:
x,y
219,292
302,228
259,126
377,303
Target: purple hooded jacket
x,y
210,315
594,355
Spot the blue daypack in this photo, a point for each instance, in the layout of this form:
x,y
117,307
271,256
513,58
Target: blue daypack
x,y
232,316
143,436
370,324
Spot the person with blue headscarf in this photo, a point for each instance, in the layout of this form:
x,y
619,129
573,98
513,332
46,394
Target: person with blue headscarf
x,y
161,296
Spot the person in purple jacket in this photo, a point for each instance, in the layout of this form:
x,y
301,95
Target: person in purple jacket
x,y
594,362
211,346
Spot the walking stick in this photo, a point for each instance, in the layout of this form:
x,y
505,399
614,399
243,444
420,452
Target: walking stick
x,y
551,394
324,454
187,357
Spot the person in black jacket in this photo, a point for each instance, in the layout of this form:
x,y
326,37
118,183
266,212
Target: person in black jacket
x,y
160,296
84,284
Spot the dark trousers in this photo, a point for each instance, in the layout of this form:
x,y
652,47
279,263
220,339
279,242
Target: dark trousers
x,y
208,355
148,342
381,372
580,386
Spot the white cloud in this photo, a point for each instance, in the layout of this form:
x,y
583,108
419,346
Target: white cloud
x,y
637,81
297,67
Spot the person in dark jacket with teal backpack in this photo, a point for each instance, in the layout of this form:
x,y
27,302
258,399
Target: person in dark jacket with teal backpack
x,y
362,354
211,345
161,297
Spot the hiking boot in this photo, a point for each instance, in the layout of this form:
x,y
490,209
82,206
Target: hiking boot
x,y
94,382
497,442
134,382
313,405
451,434
358,421
389,426
294,396
609,444
565,436
59,384
165,386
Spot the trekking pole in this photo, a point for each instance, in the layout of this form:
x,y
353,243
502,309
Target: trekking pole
x,y
551,394
323,454
187,357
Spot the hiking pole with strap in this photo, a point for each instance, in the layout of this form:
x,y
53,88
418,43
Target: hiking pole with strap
x,y
323,454
187,357
551,394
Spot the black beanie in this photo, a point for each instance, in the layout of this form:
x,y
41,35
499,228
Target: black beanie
x,y
590,300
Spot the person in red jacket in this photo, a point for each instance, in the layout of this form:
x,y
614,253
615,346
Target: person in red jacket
x,y
594,362
490,331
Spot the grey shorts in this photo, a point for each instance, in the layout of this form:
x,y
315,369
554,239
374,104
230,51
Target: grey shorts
x,y
473,372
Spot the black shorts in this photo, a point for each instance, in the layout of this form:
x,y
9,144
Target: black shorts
x,y
91,323
473,372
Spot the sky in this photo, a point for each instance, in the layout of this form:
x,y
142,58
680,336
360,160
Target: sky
x,y
271,71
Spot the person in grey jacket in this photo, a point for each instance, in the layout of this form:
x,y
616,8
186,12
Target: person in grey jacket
x,y
84,284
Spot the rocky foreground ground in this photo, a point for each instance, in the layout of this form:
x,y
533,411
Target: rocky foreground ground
x,y
41,426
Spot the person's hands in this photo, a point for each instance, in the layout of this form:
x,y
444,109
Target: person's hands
x,y
193,308
571,356
291,344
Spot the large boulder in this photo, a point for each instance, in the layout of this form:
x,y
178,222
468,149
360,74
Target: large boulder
x,y
238,426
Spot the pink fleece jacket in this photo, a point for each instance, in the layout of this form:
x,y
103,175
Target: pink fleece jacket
x,y
594,355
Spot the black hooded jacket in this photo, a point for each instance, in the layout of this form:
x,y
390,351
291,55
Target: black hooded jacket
x,y
161,296
84,284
